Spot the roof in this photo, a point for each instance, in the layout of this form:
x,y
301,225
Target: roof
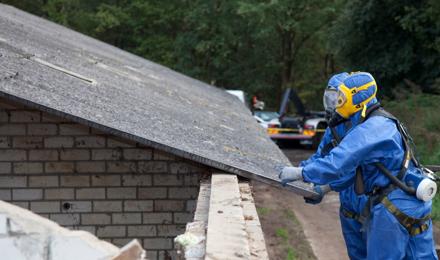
x,y
63,72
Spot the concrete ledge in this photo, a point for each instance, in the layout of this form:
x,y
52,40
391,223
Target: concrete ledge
x,y
226,238
226,224
257,245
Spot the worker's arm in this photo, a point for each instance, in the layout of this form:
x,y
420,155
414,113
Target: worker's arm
x,y
366,143
318,154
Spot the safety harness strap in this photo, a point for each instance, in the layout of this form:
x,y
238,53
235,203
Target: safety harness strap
x,y
414,226
379,111
349,214
333,142
328,147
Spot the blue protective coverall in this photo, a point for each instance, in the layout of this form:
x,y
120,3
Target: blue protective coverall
x,y
376,140
355,239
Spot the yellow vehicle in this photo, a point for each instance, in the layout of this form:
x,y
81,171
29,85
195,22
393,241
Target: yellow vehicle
x,y
307,127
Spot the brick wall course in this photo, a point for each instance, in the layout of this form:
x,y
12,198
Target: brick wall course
x,y
25,116
43,155
90,193
43,181
5,142
111,231
27,194
27,142
74,180
42,129
59,167
90,142
66,219
126,218
142,231
95,219
45,206
4,116
107,206
5,167
85,179
12,155
138,205
136,180
75,155
74,129
5,194
58,142
153,193
12,129
90,167
13,181
74,206
59,194
106,180
107,154
27,167
121,193
157,218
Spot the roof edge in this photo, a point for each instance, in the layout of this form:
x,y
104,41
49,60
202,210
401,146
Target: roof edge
x,y
298,188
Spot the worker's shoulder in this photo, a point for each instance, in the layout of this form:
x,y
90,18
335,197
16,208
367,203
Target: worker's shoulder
x,y
378,126
380,120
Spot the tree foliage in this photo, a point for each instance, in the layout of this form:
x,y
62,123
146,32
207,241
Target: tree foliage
x,y
397,41
265,46
259,46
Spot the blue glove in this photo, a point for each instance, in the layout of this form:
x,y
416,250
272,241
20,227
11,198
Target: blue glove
x,y
289,174
321,190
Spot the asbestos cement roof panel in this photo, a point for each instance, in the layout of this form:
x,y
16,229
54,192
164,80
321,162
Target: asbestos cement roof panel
x,y
63,72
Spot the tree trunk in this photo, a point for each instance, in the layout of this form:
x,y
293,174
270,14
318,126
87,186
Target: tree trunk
x,y
287,42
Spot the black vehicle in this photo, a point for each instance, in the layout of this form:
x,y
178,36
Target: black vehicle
x,y
307,127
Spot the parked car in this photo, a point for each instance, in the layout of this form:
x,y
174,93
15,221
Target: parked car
x,y
307,127
268,119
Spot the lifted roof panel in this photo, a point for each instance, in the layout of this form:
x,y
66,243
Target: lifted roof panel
x,y
60,71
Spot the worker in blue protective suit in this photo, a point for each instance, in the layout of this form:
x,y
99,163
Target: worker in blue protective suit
x,y
351,203
396,219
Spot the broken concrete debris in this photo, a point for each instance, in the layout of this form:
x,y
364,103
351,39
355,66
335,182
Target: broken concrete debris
x,y
27,236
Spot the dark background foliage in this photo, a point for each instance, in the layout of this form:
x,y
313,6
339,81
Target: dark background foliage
x,y
265,46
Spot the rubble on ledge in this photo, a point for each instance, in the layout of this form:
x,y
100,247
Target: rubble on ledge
x,y
27,236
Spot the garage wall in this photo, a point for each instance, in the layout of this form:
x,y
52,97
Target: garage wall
x,y
85,179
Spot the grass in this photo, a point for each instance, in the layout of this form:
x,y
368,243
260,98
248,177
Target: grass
x,y
284,235
263,211
291,255
290,215
421,115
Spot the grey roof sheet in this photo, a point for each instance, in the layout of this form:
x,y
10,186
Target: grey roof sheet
x,y
63,72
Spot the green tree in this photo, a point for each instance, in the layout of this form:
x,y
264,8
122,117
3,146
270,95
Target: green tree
x,y
259,46
397,41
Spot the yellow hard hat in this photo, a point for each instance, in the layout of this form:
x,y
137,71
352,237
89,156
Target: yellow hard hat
x,y
355,93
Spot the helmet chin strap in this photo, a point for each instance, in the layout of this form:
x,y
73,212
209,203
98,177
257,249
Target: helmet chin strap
x,y
364,111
